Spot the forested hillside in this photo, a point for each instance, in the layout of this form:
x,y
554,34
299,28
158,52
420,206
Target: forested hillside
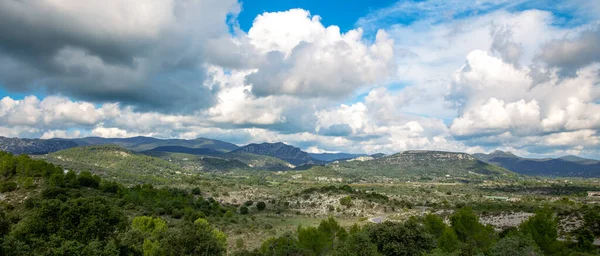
x,y
424,164
49,212
116,163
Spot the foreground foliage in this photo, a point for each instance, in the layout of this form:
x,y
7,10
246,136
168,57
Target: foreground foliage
x,y
48,211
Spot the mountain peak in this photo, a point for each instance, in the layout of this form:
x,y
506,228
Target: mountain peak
x,y
279,150
500,153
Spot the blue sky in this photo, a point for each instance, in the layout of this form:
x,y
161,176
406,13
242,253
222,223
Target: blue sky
x,y
343,14
456,75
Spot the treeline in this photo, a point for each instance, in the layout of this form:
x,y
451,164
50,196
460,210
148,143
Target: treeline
x,y
429,235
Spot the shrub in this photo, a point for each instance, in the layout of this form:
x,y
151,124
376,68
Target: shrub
x,y
261,206
196,191
243,210
346,201
7,186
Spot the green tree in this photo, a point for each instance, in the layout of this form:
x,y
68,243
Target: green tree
x,y
86,179
357,244
408,238
152,229
542,227
439,252
7,186
475,236
8,165
71,179
285,245
585,240
197,239
591,219
261,206
448,241
57,180
312,240
82,219
515,244
196,191
243,210
149,227
434,225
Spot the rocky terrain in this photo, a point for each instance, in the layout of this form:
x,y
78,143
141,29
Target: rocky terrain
x,y
34,146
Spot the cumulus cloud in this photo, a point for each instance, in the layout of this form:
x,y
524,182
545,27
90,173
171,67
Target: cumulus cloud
x,y
502,43
499,107
570,55
304,58
144,54
495,117
460,77
52,112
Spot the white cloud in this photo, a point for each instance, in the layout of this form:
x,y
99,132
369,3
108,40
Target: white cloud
x,y
304,58
112,132
61,134
454,78
496,117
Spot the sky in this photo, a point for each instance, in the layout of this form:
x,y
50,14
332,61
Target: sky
x,y
326,76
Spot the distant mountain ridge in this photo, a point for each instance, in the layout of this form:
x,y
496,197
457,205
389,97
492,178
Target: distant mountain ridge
x,y
280,150
421,163
186,150
140,143
566,166
334,156
34,146
292,157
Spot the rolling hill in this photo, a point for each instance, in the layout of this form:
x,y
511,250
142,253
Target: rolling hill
x,y
185,150
115,162
417,163
567,166
141,143
204,159
280,150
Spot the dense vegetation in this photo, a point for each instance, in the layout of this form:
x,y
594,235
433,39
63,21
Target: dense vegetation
x,y
82,214
429,235
49,211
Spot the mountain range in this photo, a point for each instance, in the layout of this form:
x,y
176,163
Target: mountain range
x,y
282,151
422,163
566,166
34,146
210,154
330,157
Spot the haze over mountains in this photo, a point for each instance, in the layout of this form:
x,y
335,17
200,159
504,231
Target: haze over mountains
x,y
210,154
568,166
280,150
